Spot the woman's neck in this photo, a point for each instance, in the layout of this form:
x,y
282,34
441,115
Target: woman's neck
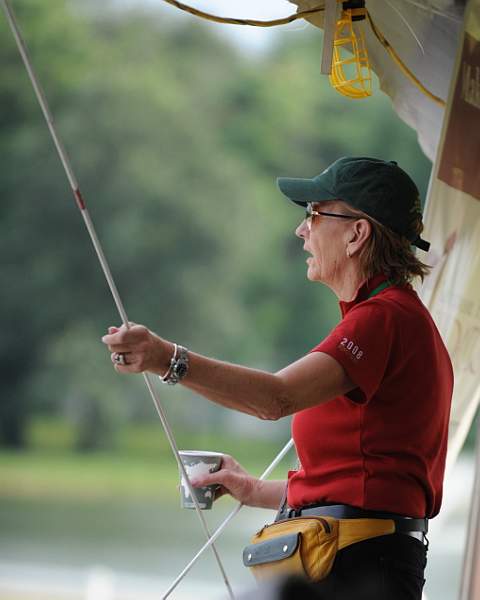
x,y
346,285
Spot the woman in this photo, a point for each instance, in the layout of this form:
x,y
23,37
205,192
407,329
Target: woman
x,y
371,402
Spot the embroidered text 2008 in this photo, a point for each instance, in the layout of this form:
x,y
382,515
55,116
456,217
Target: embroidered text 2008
x,y
352,348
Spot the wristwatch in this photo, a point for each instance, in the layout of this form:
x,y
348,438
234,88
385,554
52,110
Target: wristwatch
x,y
178,366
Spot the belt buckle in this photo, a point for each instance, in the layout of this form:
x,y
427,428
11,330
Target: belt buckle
x,y
285,513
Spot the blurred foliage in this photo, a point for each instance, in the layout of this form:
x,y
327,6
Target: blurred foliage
x,y
176,138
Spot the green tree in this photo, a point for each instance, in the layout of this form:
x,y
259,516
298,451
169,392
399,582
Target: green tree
x,y
176,139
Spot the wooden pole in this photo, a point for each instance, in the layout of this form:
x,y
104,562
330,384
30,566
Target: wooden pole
x,y
470,586
330,21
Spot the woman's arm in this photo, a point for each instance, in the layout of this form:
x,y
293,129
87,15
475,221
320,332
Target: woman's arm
x,y
312,380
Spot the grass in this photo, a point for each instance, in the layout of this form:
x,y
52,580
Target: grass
x,y
141,465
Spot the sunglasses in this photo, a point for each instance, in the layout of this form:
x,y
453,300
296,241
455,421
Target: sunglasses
x,y
310,213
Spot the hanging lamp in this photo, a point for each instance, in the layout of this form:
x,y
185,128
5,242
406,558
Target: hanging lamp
x,y
351,75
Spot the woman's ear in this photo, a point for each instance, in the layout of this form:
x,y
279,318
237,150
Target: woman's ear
x,y
358,235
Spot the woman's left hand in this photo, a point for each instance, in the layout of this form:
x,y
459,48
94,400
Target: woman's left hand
x,y
141,349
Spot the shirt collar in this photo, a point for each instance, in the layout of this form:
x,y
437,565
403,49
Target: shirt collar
x,y
363,292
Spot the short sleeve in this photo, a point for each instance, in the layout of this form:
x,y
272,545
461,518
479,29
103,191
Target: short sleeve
x,y
362,343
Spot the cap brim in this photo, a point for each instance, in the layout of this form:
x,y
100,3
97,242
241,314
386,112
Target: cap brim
x,y
303,191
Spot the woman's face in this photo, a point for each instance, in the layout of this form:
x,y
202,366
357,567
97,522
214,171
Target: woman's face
x,y
327,242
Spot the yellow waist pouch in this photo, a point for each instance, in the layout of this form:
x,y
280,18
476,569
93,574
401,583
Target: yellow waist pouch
x,y
307,545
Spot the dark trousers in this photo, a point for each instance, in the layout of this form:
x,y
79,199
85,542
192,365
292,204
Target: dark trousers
x,y
389,567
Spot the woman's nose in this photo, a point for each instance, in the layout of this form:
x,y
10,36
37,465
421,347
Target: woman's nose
x,y
302,229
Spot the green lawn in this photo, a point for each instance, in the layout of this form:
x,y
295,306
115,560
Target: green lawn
x,y
140,466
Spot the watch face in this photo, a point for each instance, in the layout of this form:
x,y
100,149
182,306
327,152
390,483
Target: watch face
x,y
181,369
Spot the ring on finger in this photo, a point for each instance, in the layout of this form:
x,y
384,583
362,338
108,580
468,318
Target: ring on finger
x,y
119,358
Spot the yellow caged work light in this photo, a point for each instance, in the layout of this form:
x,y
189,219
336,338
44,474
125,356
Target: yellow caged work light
x,y
351,75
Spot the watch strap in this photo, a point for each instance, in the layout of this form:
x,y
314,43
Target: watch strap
x,y
178,366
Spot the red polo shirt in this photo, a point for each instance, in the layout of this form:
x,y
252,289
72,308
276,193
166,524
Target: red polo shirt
x,y
383,446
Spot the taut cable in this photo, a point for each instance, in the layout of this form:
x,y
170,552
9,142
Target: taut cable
x,y
401,65
103,261
252,22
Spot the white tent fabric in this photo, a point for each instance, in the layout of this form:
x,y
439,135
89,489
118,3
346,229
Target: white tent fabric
x,y
438,25
452,219
452,291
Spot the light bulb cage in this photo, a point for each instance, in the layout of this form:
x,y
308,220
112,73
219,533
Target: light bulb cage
x,y
351,75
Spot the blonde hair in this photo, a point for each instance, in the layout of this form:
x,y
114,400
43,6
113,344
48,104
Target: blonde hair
x,y
390,253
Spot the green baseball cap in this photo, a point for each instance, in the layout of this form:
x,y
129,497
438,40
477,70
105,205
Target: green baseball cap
x,y
380,189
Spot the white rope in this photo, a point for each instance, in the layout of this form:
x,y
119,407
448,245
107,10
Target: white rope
x,y
103,261
219,530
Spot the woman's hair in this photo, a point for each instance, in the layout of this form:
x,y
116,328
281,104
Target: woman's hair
x,y
387,252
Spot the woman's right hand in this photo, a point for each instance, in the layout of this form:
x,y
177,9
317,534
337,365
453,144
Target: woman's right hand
x,y
232,479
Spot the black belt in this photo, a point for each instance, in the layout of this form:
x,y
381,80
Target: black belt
x,y
344,511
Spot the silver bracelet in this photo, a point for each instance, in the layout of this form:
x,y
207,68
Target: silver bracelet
x,y
164,377
178,366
